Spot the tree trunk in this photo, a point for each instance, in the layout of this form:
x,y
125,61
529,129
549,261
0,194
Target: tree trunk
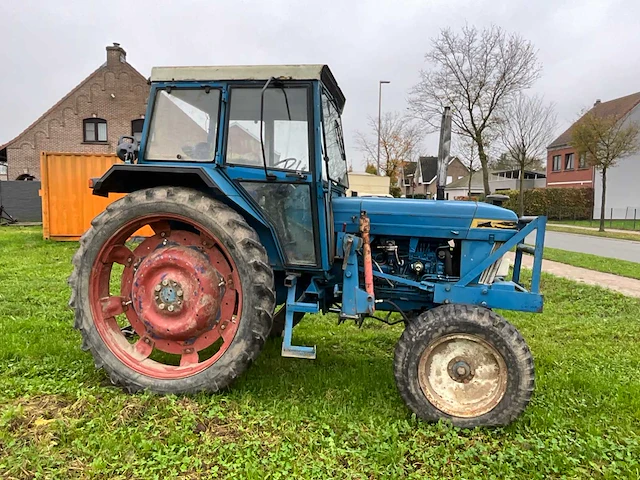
x,y
485,169
604,196
521,192
470,177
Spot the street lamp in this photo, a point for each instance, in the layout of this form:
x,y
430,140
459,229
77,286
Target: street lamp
x,y
379,116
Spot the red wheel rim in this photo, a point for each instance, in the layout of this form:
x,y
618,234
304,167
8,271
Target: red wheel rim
x,y
180,292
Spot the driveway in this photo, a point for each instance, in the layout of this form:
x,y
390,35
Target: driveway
x,y
602,246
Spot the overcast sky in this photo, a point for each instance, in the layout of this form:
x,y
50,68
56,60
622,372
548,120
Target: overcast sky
x,y
589,49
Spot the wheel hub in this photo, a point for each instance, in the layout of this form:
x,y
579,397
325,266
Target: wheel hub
x,y
176,293
462,375
169,295
460,371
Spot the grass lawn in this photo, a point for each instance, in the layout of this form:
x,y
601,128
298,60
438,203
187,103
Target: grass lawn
x,y
623,268
339,416
617,224
595,233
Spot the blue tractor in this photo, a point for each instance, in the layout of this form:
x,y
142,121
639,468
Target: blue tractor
x,y
236,204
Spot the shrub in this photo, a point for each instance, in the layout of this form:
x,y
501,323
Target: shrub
x,y
555,203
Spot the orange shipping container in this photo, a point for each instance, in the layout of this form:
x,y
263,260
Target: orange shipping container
x,y
68,205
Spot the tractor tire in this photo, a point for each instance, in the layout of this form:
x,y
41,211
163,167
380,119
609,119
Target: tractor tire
x,y
464,364
210,268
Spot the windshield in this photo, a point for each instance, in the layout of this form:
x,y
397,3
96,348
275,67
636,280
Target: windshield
x,y
184,125
334,142
285,128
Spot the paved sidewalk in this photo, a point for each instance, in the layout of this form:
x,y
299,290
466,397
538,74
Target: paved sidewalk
x,y
595,229
624,285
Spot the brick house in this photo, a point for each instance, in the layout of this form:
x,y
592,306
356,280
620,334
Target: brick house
x,y
109,103
564,168
420,177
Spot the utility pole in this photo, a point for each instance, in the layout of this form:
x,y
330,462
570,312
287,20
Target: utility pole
x,y
380,116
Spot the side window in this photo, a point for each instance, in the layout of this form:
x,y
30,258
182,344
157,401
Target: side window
x,y
334,142
284,125
184,125
288,208
95,130
136,128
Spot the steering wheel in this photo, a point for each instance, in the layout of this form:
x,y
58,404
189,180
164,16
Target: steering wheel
x,y
289,163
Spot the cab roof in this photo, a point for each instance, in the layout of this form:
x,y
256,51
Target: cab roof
x,y
251,72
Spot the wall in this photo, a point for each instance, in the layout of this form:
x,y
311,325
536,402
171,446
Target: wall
x,y
365,183
575,178
21,200
623,194
61,129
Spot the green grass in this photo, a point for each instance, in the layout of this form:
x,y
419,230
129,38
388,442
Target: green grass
x,y
617,235
623,268
339,416
617,224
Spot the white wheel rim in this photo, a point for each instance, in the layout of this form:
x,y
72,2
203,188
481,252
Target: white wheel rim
x,y
462,375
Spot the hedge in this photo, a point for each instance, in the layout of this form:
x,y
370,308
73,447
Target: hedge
x,y
555,203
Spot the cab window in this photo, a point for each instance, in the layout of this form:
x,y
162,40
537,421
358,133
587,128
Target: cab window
x,y
284,126
334,142
184,125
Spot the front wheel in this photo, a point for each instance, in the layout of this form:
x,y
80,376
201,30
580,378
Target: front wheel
x,y
185,308
464,364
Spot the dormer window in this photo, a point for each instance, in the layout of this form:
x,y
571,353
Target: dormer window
x,y
95,130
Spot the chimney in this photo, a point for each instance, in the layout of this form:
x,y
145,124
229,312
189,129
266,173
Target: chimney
x,y
597,102
115,55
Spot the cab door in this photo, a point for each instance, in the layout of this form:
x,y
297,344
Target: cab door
x,y
269,152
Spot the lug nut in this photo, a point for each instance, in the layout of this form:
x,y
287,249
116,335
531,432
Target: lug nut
x,y
179,293
161,306
165,282
158,288
171,308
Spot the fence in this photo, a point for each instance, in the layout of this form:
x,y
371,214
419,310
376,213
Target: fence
x,y
21,200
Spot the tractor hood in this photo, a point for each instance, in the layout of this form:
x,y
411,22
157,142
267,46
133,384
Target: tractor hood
x,y
419,218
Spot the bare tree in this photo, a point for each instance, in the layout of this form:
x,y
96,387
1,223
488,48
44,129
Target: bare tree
x,y
467,152
526,128
603,140
399,141
475,73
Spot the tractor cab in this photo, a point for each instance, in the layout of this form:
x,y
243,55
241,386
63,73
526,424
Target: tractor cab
x,y
273,133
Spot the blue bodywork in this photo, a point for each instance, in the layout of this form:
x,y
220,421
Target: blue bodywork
x,y
425,252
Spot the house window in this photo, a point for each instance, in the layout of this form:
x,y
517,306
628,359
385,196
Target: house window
x,y
555,166
136,128
582,161
568,161
95,130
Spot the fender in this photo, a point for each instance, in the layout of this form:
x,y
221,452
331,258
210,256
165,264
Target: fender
x,y
127,178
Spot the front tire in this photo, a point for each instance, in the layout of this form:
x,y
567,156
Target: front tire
x,y
464,364
197,293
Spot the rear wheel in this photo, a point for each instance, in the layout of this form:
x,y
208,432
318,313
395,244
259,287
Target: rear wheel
x,y
185,309
464,364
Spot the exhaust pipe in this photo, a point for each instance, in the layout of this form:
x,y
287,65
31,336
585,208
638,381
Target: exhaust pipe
x,y
444,153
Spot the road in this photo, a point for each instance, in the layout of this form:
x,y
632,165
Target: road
x,y
604,247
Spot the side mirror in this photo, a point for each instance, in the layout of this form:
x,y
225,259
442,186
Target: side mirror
x,y
127,150
497,199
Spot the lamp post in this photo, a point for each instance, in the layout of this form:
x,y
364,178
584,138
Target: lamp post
x,y
380,116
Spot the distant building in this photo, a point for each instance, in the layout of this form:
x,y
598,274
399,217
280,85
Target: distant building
x,y
420,177
499,181
109,103
565,170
